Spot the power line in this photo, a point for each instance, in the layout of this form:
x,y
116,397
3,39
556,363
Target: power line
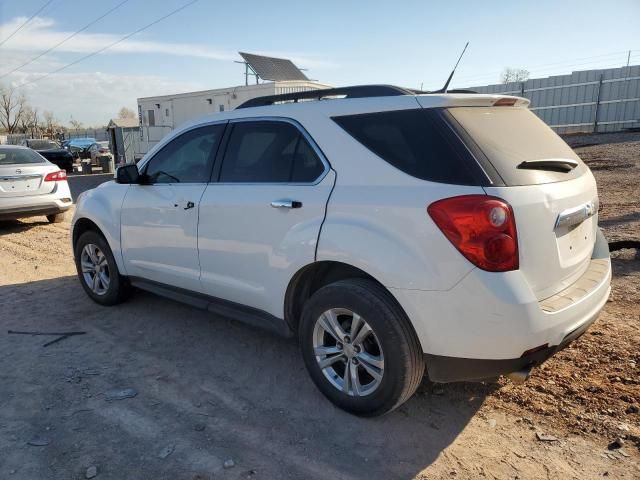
x,y
492,79
93,22
96,52
563,64
27,21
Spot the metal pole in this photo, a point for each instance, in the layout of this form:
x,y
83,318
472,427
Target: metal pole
x,y
595,116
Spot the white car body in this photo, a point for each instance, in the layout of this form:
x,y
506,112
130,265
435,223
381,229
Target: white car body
x,y
24,191
365,213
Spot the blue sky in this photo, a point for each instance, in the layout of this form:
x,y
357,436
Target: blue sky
x,y
409,43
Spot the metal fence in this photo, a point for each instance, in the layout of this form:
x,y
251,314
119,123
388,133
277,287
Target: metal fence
x,y
100,134
586,101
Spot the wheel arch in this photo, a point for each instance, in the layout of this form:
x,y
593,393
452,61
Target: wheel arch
x,y
310,278
81,226
85,224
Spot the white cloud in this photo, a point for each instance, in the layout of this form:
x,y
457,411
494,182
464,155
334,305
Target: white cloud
x,y
40,35
94,98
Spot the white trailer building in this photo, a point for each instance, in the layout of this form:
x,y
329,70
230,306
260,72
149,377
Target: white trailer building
x,y
157,116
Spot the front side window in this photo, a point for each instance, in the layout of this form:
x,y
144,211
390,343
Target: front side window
x,y
187,158
269,152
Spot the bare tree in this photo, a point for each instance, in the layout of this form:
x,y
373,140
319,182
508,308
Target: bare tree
x,y
49,122
509,75
77,125
25,119
34,121
12,108
126,113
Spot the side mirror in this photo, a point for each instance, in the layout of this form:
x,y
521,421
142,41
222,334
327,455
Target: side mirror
x,y
128,174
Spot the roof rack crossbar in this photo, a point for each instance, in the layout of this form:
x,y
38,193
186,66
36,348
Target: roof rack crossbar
x,y
361,91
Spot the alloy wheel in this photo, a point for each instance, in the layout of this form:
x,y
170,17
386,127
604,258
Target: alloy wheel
x,y
95,269
348,352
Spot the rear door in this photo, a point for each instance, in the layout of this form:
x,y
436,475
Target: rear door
x,y
22,173
260,218
160,217
552,192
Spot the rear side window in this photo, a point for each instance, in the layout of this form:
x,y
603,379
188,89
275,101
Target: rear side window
x,y
510,137
418,142
19,156
269,152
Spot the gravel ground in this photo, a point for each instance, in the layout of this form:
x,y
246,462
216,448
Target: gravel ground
x,y
204,390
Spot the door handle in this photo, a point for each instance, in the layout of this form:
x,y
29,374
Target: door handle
x,y
286,204
190,204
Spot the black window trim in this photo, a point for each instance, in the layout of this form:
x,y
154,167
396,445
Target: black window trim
x,y
142,166
215,178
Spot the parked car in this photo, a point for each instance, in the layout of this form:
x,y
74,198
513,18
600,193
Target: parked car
x,y
99,151
30,185
52,151
79,147
390,231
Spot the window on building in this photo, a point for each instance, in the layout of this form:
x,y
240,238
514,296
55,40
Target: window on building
x,y
221,108
151,118
166,112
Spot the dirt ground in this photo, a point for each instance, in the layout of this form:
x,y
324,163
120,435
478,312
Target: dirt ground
x,y
210,390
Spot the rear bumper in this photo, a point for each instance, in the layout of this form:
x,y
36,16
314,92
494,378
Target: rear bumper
x,y
451,369
482,327
19,207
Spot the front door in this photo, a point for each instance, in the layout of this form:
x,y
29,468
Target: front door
x,y
160,216
259,223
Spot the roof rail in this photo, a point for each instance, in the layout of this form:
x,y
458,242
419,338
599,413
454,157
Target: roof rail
x,y
360,91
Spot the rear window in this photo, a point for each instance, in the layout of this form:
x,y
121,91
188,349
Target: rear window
x,y
419,142
42,144
18,156
508,136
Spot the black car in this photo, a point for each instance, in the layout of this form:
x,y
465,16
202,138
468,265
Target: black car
x,y
52,152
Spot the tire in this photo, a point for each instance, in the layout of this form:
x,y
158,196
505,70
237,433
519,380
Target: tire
x,y
117,288
56,218
393,346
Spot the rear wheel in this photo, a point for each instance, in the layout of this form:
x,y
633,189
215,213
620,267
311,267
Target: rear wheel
x,y
360,348
97,270
56,218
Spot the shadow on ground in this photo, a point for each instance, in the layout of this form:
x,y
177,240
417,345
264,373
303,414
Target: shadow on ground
x,y
208,389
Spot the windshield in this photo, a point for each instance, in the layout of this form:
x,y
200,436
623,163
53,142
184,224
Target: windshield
x,y
18,156
42,144
509,136
82,142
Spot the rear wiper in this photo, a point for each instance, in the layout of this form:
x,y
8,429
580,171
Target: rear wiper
x,y
557,165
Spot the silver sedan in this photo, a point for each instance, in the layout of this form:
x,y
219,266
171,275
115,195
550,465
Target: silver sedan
x,y
30,185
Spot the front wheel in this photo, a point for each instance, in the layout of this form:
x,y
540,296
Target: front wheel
x,y
97,270
359,347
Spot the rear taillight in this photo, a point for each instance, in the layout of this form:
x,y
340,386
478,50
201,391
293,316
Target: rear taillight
x,y
56,176
505,102
482,228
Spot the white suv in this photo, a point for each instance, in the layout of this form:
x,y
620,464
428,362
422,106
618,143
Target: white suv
x,y
391,231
